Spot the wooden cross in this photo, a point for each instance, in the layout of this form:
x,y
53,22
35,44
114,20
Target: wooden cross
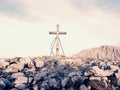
x,y
57,40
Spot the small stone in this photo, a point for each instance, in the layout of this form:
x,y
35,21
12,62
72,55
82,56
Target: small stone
x,y
117,74
35,87
21,86
83,87
98,85
2,84
87,73
63,89
44,86
70,88
73,74
39,64
52,82
69,83
95,78
64,81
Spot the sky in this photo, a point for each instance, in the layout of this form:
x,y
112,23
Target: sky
x,y
25,25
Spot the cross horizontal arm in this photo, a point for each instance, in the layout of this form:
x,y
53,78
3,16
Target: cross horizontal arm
x,y
56,33
52,33
62,33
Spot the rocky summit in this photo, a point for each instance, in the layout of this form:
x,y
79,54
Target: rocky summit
x,y
94,69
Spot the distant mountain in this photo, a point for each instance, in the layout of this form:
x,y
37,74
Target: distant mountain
x,y
103,52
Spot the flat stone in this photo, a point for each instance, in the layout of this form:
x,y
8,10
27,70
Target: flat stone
x,y
17,75
15,67
100,72
21,80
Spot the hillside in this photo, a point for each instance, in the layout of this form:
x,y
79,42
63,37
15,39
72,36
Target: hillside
x,y
103,52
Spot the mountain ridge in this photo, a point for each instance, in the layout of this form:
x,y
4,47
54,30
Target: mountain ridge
x,y
103,52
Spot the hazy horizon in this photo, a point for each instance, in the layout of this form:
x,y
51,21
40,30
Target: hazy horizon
x,y
25,25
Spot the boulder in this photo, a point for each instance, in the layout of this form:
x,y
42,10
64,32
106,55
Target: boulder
x,y
17,75
100,72
3,63
15,68
27,60
21,80
39,63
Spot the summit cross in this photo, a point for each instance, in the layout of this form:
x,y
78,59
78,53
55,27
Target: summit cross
x,y
57,41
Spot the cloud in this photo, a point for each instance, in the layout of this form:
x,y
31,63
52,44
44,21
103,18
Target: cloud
x,y
105,5
12,8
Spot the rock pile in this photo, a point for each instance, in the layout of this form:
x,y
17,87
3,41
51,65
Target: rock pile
x,y
46,73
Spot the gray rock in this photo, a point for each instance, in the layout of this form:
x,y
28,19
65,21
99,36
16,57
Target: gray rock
x,y
64,81
2,84
88,73
83,87
70,88
45,86
77,78
52,82
71,74
35,87
40,77
5,83
63,89
14,89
